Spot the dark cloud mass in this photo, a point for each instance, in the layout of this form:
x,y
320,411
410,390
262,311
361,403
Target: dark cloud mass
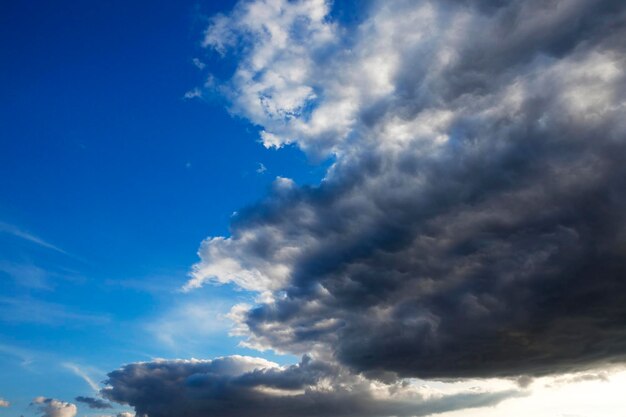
x,y
94,403
474,224
239,386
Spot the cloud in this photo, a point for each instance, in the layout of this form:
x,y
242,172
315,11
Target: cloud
x,y
238,385
27,275
271,85
191,94
26,357
473,223
94,403
198,63
4,403
81,373
49,407
186,323
17,232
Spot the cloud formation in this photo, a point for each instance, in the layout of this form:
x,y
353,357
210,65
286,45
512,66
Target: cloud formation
x,y
4,403
49,407
19,233
238,386
473,223
95,403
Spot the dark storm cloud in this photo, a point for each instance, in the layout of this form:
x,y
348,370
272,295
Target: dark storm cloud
x,y
239,386
474,223
94,403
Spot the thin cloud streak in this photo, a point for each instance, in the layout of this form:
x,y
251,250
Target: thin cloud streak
x,y
19,233
81,373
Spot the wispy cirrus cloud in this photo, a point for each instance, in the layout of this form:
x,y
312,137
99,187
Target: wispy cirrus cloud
x,y
184,325
22,234
27,275
26,356
80,371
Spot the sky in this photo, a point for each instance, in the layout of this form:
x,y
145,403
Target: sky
x,y
313,208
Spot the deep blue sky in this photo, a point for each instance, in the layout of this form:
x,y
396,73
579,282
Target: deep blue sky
x,y
103,158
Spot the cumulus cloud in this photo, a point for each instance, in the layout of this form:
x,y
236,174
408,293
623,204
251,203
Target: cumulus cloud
x,y
237,385
49,407
95,403
473,223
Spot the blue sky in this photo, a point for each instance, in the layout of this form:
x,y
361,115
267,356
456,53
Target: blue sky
x,y
305,207
109,180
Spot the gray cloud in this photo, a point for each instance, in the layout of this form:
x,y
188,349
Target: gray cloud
x,y
473,224
239,386
95,403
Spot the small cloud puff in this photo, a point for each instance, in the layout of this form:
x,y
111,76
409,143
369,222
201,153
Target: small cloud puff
x,y
49,407
198,64
94,403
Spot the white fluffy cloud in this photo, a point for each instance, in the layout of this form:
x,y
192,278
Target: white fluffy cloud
x,y
49,407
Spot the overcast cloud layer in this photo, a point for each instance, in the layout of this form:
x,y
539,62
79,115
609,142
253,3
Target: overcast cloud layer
x,y
473,223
